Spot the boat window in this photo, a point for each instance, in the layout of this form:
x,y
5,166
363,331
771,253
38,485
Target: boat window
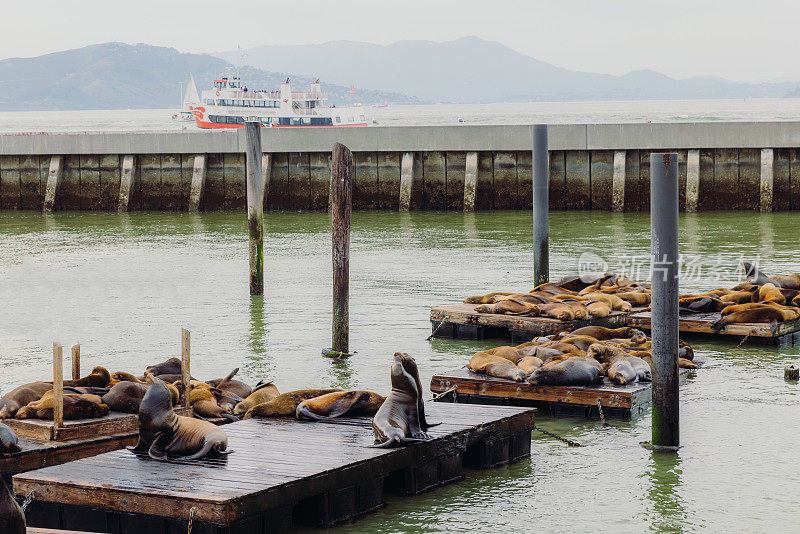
x,y
363,118
306,120
338,120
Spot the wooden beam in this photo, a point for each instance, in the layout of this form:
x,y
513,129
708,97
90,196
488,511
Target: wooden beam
x,y
53,179
470,181
198,182
58,388
341,206
186,367
767,180
618,182
76,361
406,180
126,182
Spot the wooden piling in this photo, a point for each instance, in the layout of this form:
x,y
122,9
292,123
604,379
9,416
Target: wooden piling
x,y
255,206
266,170
618,182
58,388
767,179
341,205
186,367
198,183
76,361
126,183
406,180
53,179
470,181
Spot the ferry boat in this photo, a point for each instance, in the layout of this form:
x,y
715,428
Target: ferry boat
x,y
227,104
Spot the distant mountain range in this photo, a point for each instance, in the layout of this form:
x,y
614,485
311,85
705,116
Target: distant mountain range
x,y
474,70
121,76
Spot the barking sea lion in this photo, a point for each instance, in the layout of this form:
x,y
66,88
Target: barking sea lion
x,y
12,519
337,404
163,434
9,442
399,420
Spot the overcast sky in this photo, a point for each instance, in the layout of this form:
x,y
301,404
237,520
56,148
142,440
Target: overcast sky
x,y
743,40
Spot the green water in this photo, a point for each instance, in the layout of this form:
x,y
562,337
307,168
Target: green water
x,y
124,285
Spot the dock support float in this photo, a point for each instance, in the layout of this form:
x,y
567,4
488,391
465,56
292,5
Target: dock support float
x,y
406,180
664,237
618,182
767,162
53,179
692,180
541,205
255,206
126,182
341,205
470,181
198,183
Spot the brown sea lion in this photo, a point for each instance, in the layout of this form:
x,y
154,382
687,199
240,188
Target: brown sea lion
x,y
263,392
771,293
206,403
796,301
628,369
579,309
744,286
504,351
738,297
84,406
285,403
509,307
602,333
550,287
580,282
163,434
398,420
582,342
537,351
338,404
21,396
529,364
486,299
410,365
717,292
12,518
733,308
497,366
566,348
574,371
598,308
765,314
99,378
122,376
605,353
791,281
701,303
171,366
789,295
235,391
557,310
125,397
173,379
9,442
613,301
636,298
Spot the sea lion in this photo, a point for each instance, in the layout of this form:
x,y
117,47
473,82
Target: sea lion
x,y
493,365
537,351
574,371
163,434
754,276
601,333
121,376
331,405
15,399
9,442
83,406
605,353
598,308
582,342
529,364
739,297
791,281
12,518
509,307
701,303
171,366
99,378
206,402
578,308
580,282
173,379
234,390
486,299
566,348
629,369
398,420
771,293
410,365
636,298
764,314
263,392
285,403
125,397
550,287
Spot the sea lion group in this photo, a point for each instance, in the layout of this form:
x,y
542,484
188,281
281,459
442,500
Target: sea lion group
x,y
568,299
578,358
759,299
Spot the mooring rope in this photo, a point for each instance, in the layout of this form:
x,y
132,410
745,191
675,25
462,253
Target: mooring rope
x,y
437,396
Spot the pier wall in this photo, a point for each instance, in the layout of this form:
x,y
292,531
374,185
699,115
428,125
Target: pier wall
x,y
723,166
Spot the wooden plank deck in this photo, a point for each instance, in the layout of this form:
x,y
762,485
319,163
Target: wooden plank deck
x,y
463,322
478,389
277,463
786,334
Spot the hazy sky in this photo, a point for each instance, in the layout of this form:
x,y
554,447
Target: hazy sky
x,y
736,39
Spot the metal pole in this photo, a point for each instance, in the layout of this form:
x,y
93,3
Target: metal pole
x,y
255,206
664,306
541,207
341,205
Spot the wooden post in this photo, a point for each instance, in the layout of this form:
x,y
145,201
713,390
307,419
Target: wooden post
x,y
767,179
618,182
53,179
341,205
692,180
255,206
58,388
406,180
470,181
126,182
76,361
198,183
266,172
540,162
185,367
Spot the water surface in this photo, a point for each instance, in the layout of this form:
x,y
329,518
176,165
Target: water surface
x,y
124,284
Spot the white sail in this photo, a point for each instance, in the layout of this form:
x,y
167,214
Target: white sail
x,y
191,97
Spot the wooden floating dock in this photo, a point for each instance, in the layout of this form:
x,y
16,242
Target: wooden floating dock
x,y
475,388
283,472
461,321
787,333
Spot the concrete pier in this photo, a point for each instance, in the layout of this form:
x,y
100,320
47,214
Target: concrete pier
x,y
592,166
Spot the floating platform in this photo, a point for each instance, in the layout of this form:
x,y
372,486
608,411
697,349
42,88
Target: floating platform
x,y
474,388
283,473
461,321
787,334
